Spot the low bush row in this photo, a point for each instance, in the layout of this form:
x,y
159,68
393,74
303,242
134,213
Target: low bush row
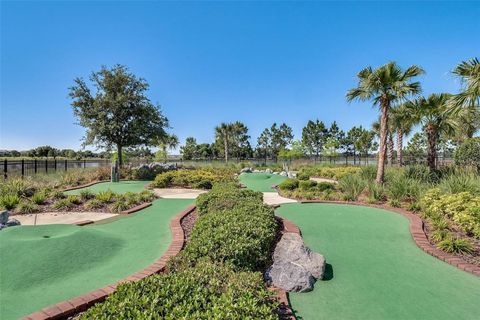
x,y
216,275
203,178
335,173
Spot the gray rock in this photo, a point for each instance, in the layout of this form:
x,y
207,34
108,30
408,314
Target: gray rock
x,y
295,267
246,170
283,173
12,223
291,175
4,216
268,170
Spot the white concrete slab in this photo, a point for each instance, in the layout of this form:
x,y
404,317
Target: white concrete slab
x,y
61,217
274,198
178,193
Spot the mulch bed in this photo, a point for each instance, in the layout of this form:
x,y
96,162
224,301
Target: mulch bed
x,y
187,224
473,258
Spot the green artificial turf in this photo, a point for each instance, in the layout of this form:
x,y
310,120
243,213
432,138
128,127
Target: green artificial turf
x,y
261,181
375,270
46,264
119,187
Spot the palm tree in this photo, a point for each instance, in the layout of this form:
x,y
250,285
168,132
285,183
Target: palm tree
x,y
385,85
168,142
437,119
402,123
223,134
469,72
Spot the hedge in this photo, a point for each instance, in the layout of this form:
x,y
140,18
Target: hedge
x,y
197,178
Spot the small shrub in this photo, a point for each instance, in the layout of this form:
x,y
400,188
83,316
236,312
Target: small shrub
x,y
460,182
456,245
468,153
307,185
9,201
302,176
352,186
439,235
289,184
87,194
376,192
17,186
323,186
25,207
401,188
107,196
73,199
94,204
57,194
62,204
198,178
147,196
119,206
395,203
368,173
420,172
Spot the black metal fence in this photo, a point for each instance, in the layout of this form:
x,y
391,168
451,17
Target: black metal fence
x,y
29,167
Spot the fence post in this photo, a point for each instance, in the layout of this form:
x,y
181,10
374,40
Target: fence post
x,y
35,165
66,165
46,165
5,169
84,163
55,164
23,168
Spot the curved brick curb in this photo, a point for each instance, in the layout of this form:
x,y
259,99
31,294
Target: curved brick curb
x,y
417,230
84,185
137,208
73,306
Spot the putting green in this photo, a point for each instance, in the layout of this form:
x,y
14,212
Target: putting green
x,y
261,181
47,264
119,187
375,269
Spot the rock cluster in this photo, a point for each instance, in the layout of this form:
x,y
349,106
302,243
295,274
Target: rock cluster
x,y
150,170
282,173
295,267
6,222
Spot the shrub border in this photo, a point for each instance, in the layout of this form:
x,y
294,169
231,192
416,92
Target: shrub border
x,y
78,304
417,230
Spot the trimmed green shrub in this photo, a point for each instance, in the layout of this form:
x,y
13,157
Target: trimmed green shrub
x,y
107,196
206,291
146,196
307,185
94,204
39,197
468,153
87,194
199,178
119,206
322,186
401,188
456,245
9,201
74,199
289,184
302,176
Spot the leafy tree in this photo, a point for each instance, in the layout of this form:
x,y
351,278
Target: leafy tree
x,y
189,150
417,146
314,136
45,151
205,151
264,143
295,152
281,137
118,113
402,123
365,142
385,85
352,141
468,153
469,73
437,119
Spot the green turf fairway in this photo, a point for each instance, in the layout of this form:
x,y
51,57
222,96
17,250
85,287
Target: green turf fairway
x,y
261,181
377,270
46,264
119,187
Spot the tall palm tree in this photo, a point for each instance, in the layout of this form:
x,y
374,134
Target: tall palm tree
x,y
168,142
469,73
437,119
390,144
223,135
402,122
385,85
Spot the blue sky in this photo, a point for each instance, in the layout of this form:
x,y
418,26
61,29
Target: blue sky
x,y
208,62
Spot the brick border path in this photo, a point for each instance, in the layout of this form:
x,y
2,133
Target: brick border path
x,y
73,306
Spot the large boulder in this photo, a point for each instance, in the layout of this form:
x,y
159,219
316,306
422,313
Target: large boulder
x,y
268,170
295,267
246,170
4,214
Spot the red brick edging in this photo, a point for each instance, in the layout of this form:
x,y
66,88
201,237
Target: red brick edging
x,y
137,208
84,185
73,306
417,230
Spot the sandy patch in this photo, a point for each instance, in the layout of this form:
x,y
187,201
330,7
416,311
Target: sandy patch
x,y
274,198
323,180
178,193
61,217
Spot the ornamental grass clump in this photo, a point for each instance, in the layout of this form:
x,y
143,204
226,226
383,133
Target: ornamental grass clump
x,y
26,207
9,201
352,186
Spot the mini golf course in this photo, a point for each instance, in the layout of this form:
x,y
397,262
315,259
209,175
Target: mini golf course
x,y
47,264
375,270
262,182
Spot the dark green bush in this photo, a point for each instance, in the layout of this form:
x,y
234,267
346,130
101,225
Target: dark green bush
x,y
289,184
468,153
197,178
307,185
322,186
303,176
206,291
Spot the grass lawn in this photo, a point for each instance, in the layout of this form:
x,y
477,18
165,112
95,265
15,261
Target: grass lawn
x,y
261,181
377,271
119,187
46,264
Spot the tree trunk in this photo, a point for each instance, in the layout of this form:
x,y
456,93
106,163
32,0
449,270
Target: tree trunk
x,y
399,147
383,142
119,155
225,145
432,146
390,147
